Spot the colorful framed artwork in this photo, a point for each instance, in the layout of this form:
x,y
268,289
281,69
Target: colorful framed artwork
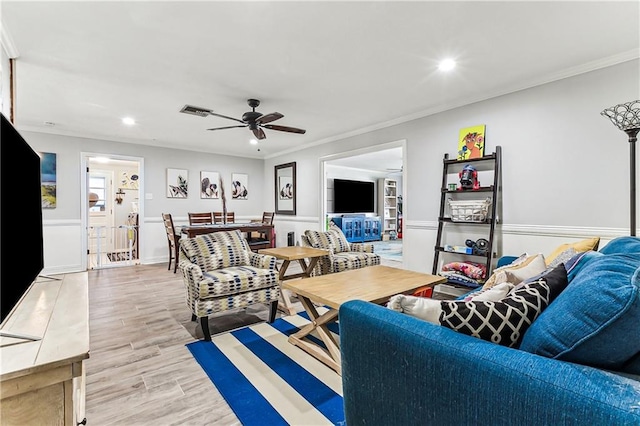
x,y
240,186
177,183
209,185
48,178
471,142
285,188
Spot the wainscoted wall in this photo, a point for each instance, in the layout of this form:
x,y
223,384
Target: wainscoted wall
x,y
62,246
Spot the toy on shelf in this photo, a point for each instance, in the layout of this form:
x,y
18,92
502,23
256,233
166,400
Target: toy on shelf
x,y
469,178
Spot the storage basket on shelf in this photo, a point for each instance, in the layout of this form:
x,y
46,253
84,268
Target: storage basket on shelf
x,y
469,210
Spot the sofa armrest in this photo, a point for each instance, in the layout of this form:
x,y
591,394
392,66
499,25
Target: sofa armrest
x,y
263,261
397,369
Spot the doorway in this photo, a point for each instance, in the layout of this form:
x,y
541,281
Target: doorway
x,y
111,210
376,163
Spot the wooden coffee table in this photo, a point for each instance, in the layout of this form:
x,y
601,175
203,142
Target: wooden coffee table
x,y
373,284
288,254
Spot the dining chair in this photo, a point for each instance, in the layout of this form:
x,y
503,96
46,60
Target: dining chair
x,y
231,217
267,218
173,239
200,218
217,217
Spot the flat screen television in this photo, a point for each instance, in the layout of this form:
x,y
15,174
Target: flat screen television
x,y
353,196
21,251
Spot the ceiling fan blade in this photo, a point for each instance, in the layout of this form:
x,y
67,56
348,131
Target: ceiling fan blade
x,y
227,127
285,128
269,118
259,133
224,116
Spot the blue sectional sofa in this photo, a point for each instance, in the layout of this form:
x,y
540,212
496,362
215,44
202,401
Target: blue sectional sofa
x,y
581,364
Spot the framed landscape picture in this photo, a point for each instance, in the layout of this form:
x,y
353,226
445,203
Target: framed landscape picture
x,y
209,185
49,177
177,183
471,142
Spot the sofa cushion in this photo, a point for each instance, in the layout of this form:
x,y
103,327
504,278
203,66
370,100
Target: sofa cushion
x,y
596,320
505,322
621,245
579,246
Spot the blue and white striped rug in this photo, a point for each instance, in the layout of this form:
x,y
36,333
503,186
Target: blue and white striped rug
x,y
268,381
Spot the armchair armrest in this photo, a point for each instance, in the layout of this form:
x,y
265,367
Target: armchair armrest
x,y
362,247
397,369
262,261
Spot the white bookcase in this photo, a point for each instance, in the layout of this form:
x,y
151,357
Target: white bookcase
x,y
388,204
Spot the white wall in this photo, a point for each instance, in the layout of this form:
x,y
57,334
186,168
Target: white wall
x,y
62,225
565,167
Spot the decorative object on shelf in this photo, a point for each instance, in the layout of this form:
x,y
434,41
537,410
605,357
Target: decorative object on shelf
x,y
469,210
119,196
209,185
177,183
478,247
240,185
626,117
285,188
453,187
48,176
469,178
471,142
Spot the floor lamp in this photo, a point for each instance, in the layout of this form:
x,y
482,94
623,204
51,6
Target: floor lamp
x,y
626,117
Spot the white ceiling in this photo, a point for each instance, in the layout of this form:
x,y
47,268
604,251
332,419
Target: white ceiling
x,y
332,68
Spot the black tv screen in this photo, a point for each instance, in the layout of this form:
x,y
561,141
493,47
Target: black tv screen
x,y
353,196
21,251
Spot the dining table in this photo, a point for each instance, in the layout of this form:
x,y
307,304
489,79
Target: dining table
x,y
191,231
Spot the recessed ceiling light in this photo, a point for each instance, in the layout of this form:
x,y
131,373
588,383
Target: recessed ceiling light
x,y
253,142
447,65
129,121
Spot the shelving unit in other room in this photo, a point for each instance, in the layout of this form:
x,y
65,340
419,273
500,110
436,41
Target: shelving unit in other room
x,y
388,204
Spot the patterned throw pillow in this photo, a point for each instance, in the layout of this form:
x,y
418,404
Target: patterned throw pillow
x,y
504,322
527,268
474,270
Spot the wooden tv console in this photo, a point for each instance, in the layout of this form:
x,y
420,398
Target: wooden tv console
x,y
42,381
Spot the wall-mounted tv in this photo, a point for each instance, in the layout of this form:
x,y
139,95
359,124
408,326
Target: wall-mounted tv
x,y
353,196
21,255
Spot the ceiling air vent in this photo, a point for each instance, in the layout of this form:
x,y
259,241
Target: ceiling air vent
x,y
194,110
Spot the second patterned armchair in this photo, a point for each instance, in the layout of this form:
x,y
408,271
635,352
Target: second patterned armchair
x,y
221,273
343,255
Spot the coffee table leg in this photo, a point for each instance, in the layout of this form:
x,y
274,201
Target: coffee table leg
x,y
330,356
286,304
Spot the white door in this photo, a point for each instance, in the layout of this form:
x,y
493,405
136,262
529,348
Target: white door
x,y
100,230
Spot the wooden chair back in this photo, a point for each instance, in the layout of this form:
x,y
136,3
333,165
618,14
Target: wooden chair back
x,y
267,217
200,218
231,217
217,217
173,239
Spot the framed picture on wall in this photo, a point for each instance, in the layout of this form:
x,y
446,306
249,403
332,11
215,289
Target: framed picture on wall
x,y
177,183
285,188
49,177
209,185
239,186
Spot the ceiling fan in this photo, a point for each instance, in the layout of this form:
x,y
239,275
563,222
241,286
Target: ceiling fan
x,y
255,121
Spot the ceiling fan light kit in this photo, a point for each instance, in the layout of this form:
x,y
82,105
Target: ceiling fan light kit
x,y
254,120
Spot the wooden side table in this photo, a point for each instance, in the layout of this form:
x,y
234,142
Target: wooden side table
x,y
288,254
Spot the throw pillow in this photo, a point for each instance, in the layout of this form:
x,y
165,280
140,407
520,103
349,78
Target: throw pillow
x,y
419,307
596,320
580,246
342,239
493,294
529,267
504,322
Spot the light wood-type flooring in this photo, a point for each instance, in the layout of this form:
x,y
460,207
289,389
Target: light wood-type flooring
x,y
140,371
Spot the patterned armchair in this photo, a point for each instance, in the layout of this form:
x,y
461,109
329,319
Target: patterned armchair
x,y
342,255
221,273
